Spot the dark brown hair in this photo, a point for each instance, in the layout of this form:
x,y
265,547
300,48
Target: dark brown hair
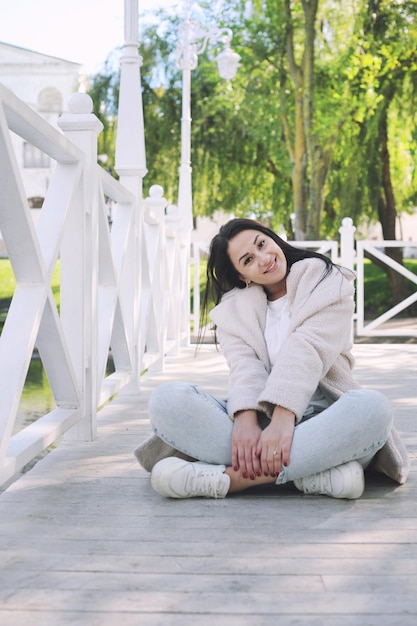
x,y
222,276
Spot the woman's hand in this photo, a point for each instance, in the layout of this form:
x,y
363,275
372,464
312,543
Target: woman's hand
x,y
245,439
275,442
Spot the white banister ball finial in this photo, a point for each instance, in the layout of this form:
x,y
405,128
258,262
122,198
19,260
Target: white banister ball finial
x,y
80,103
156,191
171,210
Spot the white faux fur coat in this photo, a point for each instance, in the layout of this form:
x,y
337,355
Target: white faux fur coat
x,y
317,352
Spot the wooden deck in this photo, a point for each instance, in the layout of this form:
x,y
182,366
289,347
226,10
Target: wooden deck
x,y
84,540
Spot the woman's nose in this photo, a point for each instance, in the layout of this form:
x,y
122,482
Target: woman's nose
x,y
263,260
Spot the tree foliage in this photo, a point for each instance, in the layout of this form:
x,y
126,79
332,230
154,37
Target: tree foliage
x,y
318,123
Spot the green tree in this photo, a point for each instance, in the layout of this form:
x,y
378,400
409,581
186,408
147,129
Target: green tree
x,y
299,48
383,82
304,126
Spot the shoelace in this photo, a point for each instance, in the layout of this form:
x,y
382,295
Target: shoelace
x,y
206,484
318,483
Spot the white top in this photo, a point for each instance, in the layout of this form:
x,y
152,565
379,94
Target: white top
x,y
278,318
276,328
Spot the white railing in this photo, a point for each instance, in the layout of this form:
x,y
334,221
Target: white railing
x,y
119,282
351,254
375,328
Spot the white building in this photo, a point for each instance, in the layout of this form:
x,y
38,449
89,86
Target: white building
x,y
45,83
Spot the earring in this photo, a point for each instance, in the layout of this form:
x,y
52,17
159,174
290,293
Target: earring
x,y
248,284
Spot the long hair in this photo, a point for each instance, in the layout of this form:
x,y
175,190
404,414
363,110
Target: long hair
x,y
222,276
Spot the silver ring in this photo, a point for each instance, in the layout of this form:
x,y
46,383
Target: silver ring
x,y
274,452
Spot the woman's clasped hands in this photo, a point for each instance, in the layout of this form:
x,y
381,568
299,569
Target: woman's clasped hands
x,y
257,452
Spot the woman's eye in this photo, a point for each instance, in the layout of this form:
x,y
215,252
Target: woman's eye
x,y
248,260
262,243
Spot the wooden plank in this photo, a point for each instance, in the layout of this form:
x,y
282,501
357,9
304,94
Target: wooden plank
x,y
84,539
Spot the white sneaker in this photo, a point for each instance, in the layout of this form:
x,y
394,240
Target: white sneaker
x,y
344,481
175,478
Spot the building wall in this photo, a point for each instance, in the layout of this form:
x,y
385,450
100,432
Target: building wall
x,y
45,83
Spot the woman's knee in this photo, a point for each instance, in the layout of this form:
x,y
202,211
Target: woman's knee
x,y
168,397
383,410
375,405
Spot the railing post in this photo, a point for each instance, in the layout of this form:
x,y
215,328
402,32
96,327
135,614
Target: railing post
x,y
79,262
195,316
347,255
175,279
154,227
131,166
347,243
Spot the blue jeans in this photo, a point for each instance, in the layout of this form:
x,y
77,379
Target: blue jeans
x,y
196,423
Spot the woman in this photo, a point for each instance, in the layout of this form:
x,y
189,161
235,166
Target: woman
x,y
294,410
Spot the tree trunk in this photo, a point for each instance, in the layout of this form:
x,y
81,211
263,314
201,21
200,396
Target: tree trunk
x,y
386,210
310,164
300,161
387,214
314,151
299,176
318,178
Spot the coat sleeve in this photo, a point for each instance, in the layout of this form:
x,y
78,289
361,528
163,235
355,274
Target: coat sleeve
x,y
247,374
240,319
321,317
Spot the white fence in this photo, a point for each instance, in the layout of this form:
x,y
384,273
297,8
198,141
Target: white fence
x,y
351,254
386,324
120,283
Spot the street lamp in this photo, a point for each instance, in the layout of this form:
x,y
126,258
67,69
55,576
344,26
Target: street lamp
x,y
193,39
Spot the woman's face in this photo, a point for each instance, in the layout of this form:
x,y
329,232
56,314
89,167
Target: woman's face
x,y
257,258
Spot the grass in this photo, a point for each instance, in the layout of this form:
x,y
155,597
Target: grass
x,y
377,292
7,280
8,285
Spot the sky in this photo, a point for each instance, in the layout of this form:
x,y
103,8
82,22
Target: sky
x,y
83,31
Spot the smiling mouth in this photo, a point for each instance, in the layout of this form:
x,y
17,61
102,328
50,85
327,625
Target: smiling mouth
x,y
271,266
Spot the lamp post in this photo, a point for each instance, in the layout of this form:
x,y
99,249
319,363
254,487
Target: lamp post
x,y
193,39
